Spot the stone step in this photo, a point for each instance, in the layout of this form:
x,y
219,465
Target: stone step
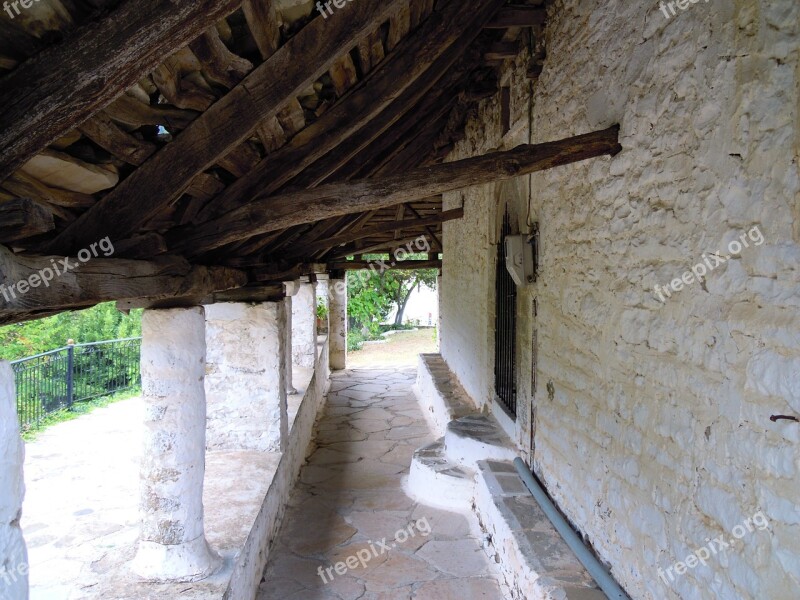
x,y
477,437
436,481
534,559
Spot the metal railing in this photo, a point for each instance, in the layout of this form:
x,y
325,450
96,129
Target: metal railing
x,y
55,380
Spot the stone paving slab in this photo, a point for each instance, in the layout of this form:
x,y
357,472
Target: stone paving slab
x,y
349,503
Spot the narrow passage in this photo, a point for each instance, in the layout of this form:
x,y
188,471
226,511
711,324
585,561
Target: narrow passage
x,y
349,507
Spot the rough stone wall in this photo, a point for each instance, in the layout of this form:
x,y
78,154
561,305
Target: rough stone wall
x,y
304,326
337,323
245,369
467,292
652,418
250,562
13,553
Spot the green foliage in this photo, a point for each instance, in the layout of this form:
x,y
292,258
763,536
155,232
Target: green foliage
x,y
102,322
373,294
355,341
322,310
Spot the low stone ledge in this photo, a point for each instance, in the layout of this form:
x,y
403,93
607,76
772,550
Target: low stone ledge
x,y
535,561
244,501
440,397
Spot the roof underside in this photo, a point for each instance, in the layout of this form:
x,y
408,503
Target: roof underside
x,y
393,98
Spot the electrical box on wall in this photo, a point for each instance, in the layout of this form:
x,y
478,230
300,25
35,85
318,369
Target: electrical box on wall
x,y
520,261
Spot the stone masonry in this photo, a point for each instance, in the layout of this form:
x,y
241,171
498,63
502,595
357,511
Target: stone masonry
x,y
14,567
172,542
245,376
651,418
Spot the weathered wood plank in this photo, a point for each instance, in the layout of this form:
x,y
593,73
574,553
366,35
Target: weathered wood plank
x,y
22,218
501,51
438,85
180,91
257,293
263,24
384,247
27,186
228,122
343,74
381,99
23,294
220,64
134,113
91,68
266,213
124,146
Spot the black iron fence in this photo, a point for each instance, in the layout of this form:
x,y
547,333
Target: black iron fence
x,y
55,380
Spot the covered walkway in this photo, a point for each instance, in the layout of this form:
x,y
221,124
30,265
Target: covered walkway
x,y
350,531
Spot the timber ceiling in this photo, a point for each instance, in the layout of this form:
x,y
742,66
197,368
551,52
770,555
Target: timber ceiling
x,y
147,121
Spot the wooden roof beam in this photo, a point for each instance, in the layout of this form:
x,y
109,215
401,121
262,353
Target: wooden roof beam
x,y
388,93
225,125
366,232
358,265
518,16
270,213
23,218
84,284
94,66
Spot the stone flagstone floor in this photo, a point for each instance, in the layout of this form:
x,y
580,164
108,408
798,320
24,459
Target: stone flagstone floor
x,y
349,506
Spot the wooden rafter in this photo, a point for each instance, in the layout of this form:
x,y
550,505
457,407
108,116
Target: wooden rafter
x,y
226,124
91,68
270,213
375,104
358,265
366,232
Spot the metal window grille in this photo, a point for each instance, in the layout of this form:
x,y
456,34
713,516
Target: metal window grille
x,y
505,331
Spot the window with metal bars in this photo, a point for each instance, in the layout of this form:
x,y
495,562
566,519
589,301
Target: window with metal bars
x,y
505,329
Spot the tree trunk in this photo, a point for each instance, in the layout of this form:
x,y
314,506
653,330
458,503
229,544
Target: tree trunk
x,y
401,306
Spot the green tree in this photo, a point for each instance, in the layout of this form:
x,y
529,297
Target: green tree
x,y
101,322
373,293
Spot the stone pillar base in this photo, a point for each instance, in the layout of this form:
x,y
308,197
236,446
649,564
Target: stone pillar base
x,y
179,563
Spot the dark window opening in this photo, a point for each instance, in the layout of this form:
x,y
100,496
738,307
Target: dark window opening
x,y
505,330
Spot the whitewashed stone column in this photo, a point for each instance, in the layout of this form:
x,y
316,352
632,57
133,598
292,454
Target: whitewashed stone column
x,y
13,553
439,315
304,326
337,314
322,294
245,376
291,288
172,542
